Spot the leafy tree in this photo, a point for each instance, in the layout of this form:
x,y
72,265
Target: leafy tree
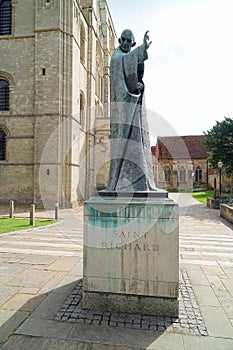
x,y
219,144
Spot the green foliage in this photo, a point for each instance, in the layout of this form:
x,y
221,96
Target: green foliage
x,y
219,144
201,188
15,224
201,196
171,189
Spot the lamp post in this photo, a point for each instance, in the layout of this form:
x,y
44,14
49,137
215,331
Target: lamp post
x,y
220,164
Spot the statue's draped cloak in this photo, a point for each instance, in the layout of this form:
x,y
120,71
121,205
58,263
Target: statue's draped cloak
x,y
131,160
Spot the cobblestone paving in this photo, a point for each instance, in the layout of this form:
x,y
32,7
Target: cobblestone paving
x,y
189,322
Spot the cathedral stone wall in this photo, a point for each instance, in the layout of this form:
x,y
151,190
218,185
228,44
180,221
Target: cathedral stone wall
x,y
50,66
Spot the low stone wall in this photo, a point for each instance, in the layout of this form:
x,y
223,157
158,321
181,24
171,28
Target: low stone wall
x,y
214,203
226,211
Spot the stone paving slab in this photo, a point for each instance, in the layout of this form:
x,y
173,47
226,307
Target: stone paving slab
x,y
28,343
217,322
229,285
46,310
114,337
37,260
11,324
63,264
41,278
50,285
67,285
196,275
10,269
125,337
202,235
109,347
206,295
207,343
23,302
53,252
6,292
44,328
189,322
18,342
227,304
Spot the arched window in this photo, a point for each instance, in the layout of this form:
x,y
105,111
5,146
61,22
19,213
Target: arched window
x,y
112,40
182,175
4,95
82,44
82,109
2,145
198,174
99,71
99,111
167,174
5,17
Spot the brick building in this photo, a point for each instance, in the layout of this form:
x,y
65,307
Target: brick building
x,y
180,161
54,86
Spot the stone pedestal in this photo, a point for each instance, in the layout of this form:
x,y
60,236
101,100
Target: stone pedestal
x,y
131,255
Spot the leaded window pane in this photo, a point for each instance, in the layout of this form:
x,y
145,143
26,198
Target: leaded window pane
x,y
198,174
167,175
4,95
2,145
5,17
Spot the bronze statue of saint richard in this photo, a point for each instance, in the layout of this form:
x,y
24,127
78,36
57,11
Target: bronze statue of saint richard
x,y
130,152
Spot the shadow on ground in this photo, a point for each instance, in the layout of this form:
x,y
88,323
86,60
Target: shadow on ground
x,y
26,329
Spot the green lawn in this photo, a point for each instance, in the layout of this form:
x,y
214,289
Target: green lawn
x,y
201,196
15,224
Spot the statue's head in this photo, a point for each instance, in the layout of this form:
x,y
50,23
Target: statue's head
x,y
126,40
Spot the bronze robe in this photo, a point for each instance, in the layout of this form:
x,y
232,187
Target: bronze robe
x,y
130,152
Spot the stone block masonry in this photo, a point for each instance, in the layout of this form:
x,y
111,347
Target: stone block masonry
x,y
131,255
226,211
40,60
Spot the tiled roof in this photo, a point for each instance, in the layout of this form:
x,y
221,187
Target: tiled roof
x,y
181,147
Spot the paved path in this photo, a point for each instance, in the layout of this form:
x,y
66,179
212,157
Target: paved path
x,y
39,269
206,253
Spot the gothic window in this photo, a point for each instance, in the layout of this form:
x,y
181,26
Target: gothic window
x,y
182,175
198,174
5,17
99,71
112,40
82,44
2,145
82,110
97,109
167,174
4,95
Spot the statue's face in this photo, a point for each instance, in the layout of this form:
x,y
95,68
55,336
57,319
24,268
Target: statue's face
x,y
126,40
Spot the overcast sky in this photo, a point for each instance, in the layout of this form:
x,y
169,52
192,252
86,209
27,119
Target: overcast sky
x,y
189,73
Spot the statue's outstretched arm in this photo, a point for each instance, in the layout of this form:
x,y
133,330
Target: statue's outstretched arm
x,y
146,40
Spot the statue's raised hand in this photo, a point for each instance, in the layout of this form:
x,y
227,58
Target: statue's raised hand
x,y
146,40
